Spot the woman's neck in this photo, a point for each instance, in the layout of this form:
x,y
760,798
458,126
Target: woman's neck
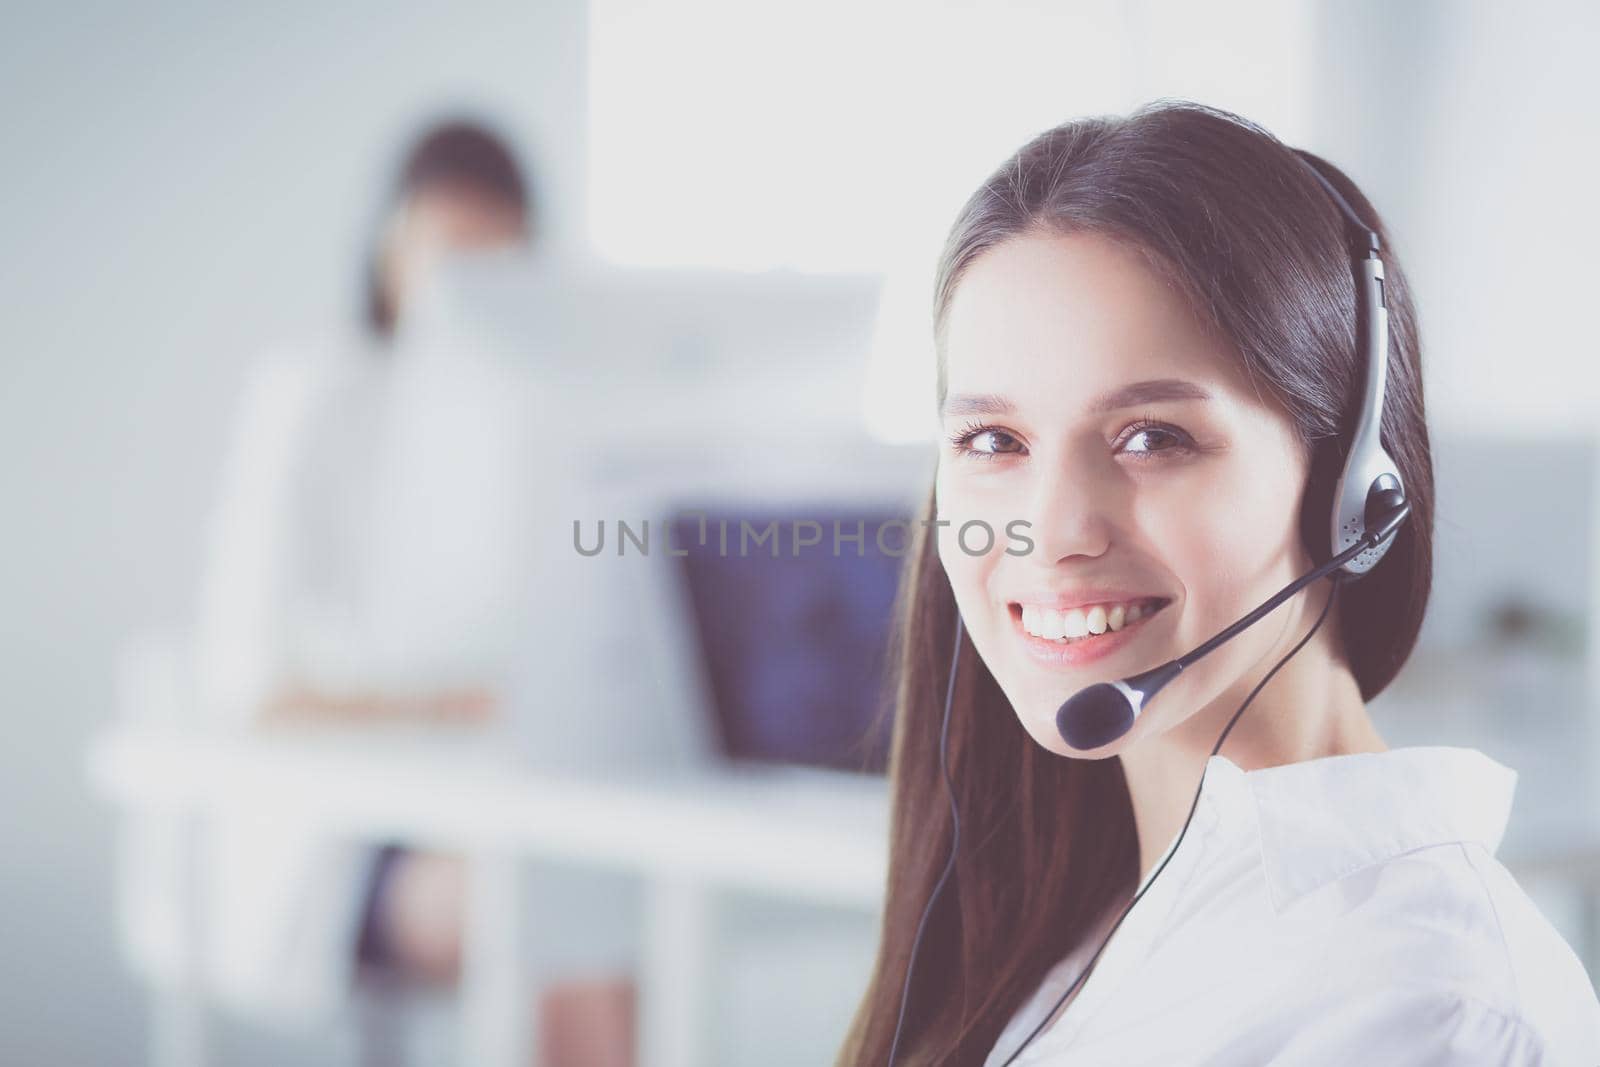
x,y
1311,708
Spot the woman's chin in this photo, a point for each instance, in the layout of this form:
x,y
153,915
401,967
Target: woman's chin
x,y
1039,720
1040,723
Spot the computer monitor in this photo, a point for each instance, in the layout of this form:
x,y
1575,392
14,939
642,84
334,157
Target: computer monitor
x,y
794,637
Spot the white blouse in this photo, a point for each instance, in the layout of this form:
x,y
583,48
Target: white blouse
x,y
1342,910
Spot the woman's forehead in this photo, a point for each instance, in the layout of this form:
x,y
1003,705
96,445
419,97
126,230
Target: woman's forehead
x,y
1072,316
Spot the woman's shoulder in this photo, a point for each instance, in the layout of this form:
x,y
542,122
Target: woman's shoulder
x,y
1450,924
324,356
288,379
1550,986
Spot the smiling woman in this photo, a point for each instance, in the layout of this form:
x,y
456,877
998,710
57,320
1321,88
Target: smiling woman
x,y
1147,333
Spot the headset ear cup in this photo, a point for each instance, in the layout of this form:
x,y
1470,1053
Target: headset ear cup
x,y
1382,501
1320,499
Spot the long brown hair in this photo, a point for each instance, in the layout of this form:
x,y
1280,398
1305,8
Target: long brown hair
x,y
1225,211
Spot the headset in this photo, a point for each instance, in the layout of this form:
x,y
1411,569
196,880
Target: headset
x,y
1369,505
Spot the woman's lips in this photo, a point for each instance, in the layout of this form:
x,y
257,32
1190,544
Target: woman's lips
x,y
1073,654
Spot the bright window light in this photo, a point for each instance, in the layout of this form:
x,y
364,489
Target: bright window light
x,y
837,135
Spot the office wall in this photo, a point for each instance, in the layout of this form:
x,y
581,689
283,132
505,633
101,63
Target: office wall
x,y
1474,125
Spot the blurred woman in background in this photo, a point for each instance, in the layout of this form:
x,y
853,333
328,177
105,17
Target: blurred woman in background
x,y
301,622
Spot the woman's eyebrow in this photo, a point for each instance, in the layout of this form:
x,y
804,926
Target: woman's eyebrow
x,y
1125,396
1130,396
977,404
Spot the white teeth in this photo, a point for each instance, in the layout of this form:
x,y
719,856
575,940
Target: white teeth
x,y
1043,623
1077,623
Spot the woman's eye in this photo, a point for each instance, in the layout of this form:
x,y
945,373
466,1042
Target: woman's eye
x,y
984,442
1157,439
1145,440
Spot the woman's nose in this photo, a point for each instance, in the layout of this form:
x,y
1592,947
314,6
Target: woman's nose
x,y
1069,507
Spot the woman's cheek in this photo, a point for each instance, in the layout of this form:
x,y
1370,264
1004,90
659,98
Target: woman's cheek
x,y
1209,557
1187,536
951,508
960,567
959,537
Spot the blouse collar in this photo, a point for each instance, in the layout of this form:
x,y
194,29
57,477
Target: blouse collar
x,y
1324,818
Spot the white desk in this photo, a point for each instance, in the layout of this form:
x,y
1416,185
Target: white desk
x,y
805,836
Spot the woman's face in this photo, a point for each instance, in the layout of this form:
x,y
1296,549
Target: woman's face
x,y
441,221
1185,494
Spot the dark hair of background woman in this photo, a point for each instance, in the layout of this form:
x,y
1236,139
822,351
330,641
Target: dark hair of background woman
x,y
458,152
1225,211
